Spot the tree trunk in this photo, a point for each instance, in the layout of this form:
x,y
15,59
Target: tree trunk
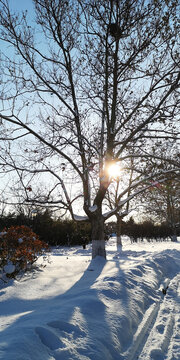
x,y
97,235
174,234
174,238
118,232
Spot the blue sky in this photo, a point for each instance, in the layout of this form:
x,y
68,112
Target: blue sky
x,y
18,6
21,5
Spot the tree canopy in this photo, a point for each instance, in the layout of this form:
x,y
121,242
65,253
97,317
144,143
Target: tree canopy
x,y
84,85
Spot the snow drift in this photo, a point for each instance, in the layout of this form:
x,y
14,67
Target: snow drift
x,y
76,308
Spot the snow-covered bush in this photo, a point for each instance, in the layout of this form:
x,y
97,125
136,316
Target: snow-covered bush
x,y
20,247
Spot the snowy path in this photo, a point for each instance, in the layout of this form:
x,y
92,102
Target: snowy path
x,y
158,336
78,309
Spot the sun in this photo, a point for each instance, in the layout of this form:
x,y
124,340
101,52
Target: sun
x,y
114,171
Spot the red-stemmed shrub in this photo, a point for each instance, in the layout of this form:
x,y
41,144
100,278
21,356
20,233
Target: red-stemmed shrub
x,y
20,247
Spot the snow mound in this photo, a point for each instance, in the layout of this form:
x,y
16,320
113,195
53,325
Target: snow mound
x,y
9,268
93,310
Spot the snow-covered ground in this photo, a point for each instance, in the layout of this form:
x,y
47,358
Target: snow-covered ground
x,y
75,308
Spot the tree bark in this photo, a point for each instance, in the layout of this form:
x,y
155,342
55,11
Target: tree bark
x,y
97,235
118,232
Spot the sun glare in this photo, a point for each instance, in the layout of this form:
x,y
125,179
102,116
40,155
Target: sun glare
x,y
114,171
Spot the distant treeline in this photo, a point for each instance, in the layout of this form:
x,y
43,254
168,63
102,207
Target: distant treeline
x,y
146,230
67,232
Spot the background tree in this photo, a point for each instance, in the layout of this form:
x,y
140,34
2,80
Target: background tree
x,y
122,178
162,204
91,81
161,201
146,230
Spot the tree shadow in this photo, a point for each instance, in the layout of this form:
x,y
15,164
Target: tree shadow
x,y
63,327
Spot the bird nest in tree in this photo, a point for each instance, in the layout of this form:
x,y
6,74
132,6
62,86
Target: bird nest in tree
x,y
115,30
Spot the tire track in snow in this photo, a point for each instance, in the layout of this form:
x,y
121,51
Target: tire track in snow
x,y
142,332
159,341
174,348
157,337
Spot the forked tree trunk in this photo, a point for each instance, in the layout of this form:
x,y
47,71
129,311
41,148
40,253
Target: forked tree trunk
x,y
97,235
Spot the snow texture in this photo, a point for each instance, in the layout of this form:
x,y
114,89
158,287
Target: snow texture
x,y
80,218
9,268
93,208
82,309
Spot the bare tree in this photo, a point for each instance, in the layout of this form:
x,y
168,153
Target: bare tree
x,y
113,197
91,81
162,202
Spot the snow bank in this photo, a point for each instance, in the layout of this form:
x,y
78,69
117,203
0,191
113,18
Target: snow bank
x,y
93,310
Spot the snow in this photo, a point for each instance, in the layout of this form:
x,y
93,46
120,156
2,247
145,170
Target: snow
x,y
93,208
80,218
9,268
78,308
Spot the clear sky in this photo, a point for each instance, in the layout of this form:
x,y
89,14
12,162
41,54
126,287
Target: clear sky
x,y
21,5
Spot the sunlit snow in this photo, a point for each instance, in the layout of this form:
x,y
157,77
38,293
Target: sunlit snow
x,y
78,308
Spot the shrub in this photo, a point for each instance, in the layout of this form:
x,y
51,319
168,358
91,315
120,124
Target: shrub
x,y
20,247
